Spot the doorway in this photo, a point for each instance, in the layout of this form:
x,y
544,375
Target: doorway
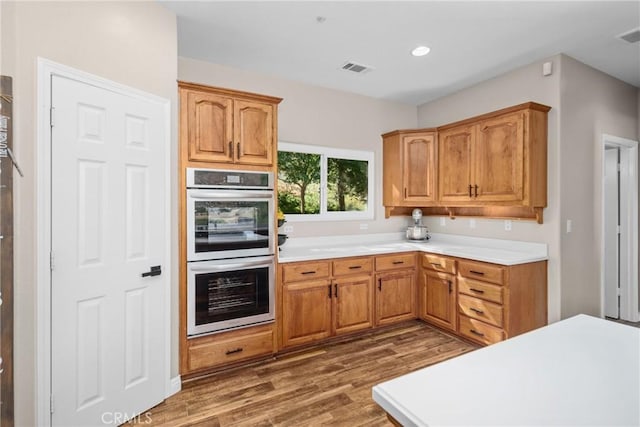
x,y
103,333
619,260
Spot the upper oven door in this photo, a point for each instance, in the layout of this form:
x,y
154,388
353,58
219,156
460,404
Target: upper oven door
x,y
229,224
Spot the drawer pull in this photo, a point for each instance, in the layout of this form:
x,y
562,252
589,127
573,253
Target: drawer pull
x,y
235,350
475,310
309,272
478,291
435,264
473,331
354,267
479,273
397,262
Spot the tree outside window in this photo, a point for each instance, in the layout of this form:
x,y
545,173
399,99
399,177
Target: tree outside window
x,y
324,183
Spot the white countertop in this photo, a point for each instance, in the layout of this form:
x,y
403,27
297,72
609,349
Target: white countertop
x,y
505,252
580,371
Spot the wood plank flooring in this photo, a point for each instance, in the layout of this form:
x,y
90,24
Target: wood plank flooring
x,y
328,385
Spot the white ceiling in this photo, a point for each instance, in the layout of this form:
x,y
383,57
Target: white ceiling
x,y
470,41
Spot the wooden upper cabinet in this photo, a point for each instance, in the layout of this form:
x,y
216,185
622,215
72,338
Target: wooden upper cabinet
x,y
419,167
227,127
253,128
455,163
210,133
497,159
409,168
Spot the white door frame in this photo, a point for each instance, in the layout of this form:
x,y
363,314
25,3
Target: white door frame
x,y
629,309
47,69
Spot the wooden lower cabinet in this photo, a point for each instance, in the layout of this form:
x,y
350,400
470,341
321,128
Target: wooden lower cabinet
x,y
496,302
395,297
438,299
340,303
306,314
438,291
353,304
228,347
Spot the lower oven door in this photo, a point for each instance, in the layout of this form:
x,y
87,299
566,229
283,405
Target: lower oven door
x,y
230,293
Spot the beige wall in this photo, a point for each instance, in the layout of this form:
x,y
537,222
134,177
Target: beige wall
x,y
318,116
593,104
133,43
522,85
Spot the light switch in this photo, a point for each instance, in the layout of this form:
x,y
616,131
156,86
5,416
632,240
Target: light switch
x,y
569,226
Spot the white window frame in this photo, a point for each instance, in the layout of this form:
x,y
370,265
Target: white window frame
x,y
339,153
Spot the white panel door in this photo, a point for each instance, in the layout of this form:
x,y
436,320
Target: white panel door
x,y
108,227
611,236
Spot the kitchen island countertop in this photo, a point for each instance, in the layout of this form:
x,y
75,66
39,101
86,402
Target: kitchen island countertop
x,y
579,371
504,252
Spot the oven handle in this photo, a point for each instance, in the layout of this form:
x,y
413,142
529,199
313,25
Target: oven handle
x,y
231,194
227,267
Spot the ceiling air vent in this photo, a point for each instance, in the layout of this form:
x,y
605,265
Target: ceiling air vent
x,y
356,68
632,36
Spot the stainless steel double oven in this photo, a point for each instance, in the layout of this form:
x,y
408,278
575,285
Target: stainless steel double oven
x,y
230,249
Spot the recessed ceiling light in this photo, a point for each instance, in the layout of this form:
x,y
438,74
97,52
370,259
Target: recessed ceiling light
x,y
420,51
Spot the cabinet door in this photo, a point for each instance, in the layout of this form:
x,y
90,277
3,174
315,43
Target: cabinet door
x,y
438,299
306,312
418,169
499,159
253,130
395,297
353,299
455,164
210,127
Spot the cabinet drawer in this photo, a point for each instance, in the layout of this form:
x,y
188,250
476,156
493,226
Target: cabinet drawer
x,y
352,266
481,290
218,352
439,263
481,310
305,271
396,261
482,271
479,331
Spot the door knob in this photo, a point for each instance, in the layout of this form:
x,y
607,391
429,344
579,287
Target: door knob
x,y
156,270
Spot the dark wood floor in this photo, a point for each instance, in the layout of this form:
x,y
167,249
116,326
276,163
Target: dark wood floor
x,y
329,385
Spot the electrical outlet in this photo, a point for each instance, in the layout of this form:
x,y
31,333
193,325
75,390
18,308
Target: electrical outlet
x,y
507,225
288,229
472,223
364,226
443,221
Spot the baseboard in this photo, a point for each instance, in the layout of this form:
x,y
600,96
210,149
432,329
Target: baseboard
x,y
175,385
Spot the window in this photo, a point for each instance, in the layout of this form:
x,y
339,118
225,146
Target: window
x,y
323,183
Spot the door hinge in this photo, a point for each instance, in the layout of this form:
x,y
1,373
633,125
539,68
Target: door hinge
x,y
52,116
51,261
618,167
618,229
51,404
